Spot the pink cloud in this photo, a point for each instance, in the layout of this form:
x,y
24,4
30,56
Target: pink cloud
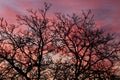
x,y
9,14
106,11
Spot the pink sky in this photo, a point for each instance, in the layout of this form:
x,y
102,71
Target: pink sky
x,y
107,12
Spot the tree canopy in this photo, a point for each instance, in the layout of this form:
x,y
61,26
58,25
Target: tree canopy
x,y
84,51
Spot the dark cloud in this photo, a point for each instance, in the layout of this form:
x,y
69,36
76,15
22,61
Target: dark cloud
x,y
104,13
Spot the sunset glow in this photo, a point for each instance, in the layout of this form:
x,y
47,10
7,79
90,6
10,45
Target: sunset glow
x,y
59,40
106,11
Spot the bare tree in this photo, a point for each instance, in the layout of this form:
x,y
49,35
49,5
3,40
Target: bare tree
x,y
24,52
95,53
21,53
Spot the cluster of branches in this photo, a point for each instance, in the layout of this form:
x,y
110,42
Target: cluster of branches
x,y
25,53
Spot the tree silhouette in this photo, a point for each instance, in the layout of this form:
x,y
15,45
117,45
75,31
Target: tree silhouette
x,y
22,52
95,53
25,49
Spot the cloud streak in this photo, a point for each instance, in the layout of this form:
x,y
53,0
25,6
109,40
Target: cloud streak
x,y
106,11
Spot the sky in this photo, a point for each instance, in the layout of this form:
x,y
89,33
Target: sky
x,y
107,12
